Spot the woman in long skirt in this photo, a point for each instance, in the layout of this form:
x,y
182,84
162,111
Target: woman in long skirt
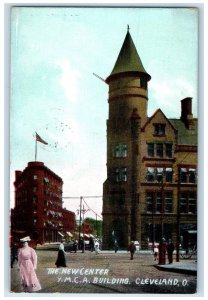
x,y
61,261
27,261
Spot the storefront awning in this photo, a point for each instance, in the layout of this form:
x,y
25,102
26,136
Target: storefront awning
x,y
85,234
69,233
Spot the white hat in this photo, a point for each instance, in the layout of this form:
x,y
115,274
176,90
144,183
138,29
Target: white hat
x,y
25,239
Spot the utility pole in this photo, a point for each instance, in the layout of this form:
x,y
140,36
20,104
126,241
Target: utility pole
x,y
96,225
80,218
83,211
162,210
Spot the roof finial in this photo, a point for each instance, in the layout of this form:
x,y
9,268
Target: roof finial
x,y
128,28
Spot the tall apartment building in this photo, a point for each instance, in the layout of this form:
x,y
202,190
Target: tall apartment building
x,y
38,210
151,187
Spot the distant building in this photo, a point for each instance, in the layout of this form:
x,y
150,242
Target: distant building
x,y
151,186
38,210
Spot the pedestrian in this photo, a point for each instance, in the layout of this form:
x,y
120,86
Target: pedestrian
x,y
82,245
97,247
27,263
170,249
91,244
14,253
132,249
116,246
155,251
61,261
162,247
75,246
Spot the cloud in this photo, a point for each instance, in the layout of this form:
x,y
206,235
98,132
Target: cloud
x,y
69,80
167,94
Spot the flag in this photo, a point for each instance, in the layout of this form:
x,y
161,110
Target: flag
x,y
39,139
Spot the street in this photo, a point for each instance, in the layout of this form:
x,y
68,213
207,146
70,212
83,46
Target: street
x,y
104,273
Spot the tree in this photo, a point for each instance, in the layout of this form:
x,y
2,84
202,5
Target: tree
x,y
96,226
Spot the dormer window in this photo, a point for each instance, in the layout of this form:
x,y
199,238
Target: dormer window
x,y
159,129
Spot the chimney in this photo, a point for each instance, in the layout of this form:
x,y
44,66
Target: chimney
x,y
186,112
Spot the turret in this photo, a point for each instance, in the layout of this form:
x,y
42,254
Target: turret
x,y
128,84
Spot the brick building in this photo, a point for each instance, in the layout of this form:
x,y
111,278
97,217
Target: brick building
x,y
151,187
38,210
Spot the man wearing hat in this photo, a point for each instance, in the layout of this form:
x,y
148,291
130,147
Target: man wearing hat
x,y
27,261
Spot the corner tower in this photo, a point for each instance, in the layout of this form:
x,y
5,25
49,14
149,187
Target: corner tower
x,y
128,97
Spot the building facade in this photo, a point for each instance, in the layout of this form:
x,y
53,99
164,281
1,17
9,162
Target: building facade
x,y
38,210
151,187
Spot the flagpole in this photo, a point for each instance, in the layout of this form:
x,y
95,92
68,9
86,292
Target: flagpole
x,y
35,148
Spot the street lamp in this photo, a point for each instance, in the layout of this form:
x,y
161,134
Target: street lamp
x,y
83,212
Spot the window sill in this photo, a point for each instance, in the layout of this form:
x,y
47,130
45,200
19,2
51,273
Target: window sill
x,y
145,158
159,135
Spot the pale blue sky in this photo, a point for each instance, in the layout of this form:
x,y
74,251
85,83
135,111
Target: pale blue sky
x,y
55,52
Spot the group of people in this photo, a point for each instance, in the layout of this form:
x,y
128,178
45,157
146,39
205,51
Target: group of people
x,y
166,247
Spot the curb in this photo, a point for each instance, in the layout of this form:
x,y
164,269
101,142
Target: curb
x,y
176,270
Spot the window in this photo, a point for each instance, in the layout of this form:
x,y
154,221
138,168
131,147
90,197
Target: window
x,y
46,180
143,83
192,203
35,188
187,175
159,129
183,202
168,174
167,147
183,175
150,150
188,202
159,174
192,175
35,200
150,174
121,174
149,202
168,150
168,202
159,150
158,202
35,177
116,150
120,150
123,150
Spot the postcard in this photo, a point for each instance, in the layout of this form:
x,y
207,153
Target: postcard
x,y
103,150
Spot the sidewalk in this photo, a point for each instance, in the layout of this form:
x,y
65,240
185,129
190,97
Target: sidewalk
x,y
184,267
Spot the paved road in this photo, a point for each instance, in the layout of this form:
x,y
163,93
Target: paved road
x,y
106,273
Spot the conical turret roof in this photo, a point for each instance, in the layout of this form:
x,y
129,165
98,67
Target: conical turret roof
x,y
128,59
